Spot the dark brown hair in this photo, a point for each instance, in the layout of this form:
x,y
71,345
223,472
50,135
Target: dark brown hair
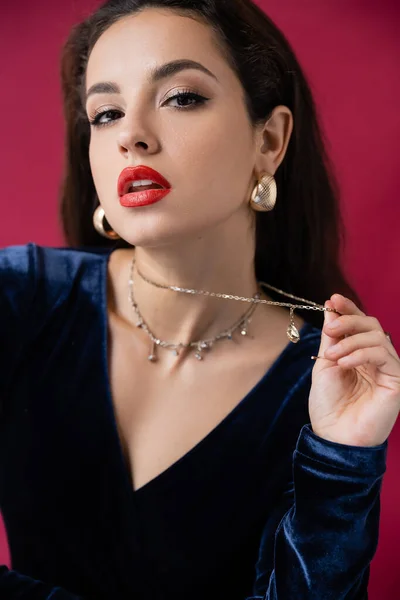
x,y
298,244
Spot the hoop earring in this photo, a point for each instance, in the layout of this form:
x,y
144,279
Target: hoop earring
x,y
99,218
263,198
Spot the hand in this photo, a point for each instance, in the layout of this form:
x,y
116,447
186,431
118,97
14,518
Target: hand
x,y
355,396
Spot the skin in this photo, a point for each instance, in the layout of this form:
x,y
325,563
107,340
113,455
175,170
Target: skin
x,y
201,235
355,391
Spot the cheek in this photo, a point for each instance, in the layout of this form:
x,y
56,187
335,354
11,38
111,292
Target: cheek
x,y
217,157
94,156
97,153
101,167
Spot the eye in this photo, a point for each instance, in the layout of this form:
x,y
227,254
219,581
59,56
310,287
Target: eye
x,y
187,100
104,117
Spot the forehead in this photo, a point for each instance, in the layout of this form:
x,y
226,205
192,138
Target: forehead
x,y
141,41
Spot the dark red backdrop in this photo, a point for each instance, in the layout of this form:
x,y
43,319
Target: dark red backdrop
x,y
350,50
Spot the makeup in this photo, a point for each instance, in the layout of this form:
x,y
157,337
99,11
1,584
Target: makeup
x,y
141,186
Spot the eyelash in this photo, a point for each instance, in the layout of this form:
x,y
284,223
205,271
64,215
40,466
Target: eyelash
x,y
200,100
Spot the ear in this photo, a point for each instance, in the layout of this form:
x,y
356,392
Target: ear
x,y
272,139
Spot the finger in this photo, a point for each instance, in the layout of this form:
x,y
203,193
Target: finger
x,y
377,356
348,323
351,324
358,341
326,340
345,305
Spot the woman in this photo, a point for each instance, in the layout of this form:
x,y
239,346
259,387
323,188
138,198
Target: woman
x,y
161,437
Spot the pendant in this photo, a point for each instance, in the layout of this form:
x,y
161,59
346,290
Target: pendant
x,y
245,324
292,331
201,346
152,357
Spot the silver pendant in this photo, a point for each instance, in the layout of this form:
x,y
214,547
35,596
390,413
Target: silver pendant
x,y
201,346
245,324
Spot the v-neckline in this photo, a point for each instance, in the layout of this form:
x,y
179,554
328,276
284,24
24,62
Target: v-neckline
x,y
122,464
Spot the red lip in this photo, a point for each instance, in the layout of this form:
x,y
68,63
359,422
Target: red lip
x,y
143,198
140,172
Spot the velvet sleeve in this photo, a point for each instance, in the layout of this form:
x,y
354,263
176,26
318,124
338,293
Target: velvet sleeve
x,y
17,290
18,279
325,540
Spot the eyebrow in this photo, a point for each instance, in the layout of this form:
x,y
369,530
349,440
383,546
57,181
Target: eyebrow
x,y
157,74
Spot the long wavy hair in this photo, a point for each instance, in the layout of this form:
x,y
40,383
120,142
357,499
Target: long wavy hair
x,y
298,244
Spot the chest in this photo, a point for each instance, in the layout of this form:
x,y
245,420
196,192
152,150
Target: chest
x,y
160,415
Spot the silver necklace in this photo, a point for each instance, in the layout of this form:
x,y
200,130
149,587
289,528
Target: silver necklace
x,y
201,345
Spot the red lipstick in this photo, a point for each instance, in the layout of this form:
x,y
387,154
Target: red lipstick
x,y
156,188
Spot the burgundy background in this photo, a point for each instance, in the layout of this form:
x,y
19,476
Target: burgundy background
x,y
350,51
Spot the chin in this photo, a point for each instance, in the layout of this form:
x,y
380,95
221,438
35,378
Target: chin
x,y
149,239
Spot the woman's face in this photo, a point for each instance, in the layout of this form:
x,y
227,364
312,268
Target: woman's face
x,y
203,144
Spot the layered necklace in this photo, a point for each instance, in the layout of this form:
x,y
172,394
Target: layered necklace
x,y
241,324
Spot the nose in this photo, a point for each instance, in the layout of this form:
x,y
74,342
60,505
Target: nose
x,y
135,139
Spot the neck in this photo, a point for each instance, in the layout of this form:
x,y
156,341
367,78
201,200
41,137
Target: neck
x,y
214,263
182,318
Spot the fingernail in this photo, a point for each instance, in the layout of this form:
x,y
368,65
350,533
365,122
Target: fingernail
x,y
333,325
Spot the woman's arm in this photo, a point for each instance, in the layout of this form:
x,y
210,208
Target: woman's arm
x,y
325,542
17,292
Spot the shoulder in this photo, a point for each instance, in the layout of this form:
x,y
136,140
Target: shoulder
x,y
36,279
43,263
16,261
19,257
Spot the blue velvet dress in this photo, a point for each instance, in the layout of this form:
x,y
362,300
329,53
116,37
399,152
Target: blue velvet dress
x,y
260,508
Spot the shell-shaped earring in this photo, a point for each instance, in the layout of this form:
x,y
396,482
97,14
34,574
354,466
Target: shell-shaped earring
x,y
99,219
263,198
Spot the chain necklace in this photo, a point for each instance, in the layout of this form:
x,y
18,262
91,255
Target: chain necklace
x,y
201,345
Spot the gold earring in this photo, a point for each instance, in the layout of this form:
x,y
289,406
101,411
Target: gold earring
x,y
99,218
263,198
